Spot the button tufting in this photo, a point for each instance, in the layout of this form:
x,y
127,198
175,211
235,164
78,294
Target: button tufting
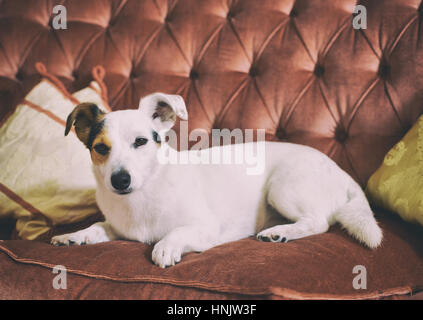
x,y
341,135
319,70
136,40
384,70
293,13
253,72
19,75
280,134
111,23
133,74
193,75
168,19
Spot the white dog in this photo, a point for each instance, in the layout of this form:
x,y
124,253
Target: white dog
x,y
183,208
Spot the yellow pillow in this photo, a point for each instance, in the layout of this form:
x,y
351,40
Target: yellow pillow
x,y
46,178
398,184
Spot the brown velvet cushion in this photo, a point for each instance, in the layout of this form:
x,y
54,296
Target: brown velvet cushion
x,y
316,267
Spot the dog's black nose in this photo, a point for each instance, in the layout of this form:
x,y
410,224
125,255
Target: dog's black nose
x,y
121,180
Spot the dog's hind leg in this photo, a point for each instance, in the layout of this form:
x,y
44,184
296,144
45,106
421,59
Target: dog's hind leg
x,y
302,204
98,232
300,229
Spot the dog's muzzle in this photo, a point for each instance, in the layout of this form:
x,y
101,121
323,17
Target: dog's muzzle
x,y
121,180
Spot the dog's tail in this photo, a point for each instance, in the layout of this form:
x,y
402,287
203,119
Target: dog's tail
x,y
357,218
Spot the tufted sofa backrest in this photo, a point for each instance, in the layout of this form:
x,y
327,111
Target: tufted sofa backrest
x,y
297,69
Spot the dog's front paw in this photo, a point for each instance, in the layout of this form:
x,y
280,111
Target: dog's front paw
x,y
94,234
87,236
165,254
70,239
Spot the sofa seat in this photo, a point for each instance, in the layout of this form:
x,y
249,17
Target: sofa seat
x,y
317,267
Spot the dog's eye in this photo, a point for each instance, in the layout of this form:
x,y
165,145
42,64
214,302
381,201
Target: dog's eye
x,y
156,137
102,149
140,142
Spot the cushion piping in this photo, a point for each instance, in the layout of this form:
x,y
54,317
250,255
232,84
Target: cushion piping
x,y
280,292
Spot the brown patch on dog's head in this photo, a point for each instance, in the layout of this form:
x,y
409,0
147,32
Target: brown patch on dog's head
x,y
101,148
88,120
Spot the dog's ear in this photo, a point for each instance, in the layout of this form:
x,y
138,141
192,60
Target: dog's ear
x,y
85,117
163,109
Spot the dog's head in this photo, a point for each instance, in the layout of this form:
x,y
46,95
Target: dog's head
x,y
124,144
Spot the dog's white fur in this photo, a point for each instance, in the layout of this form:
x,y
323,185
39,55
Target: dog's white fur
x,y
183,208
